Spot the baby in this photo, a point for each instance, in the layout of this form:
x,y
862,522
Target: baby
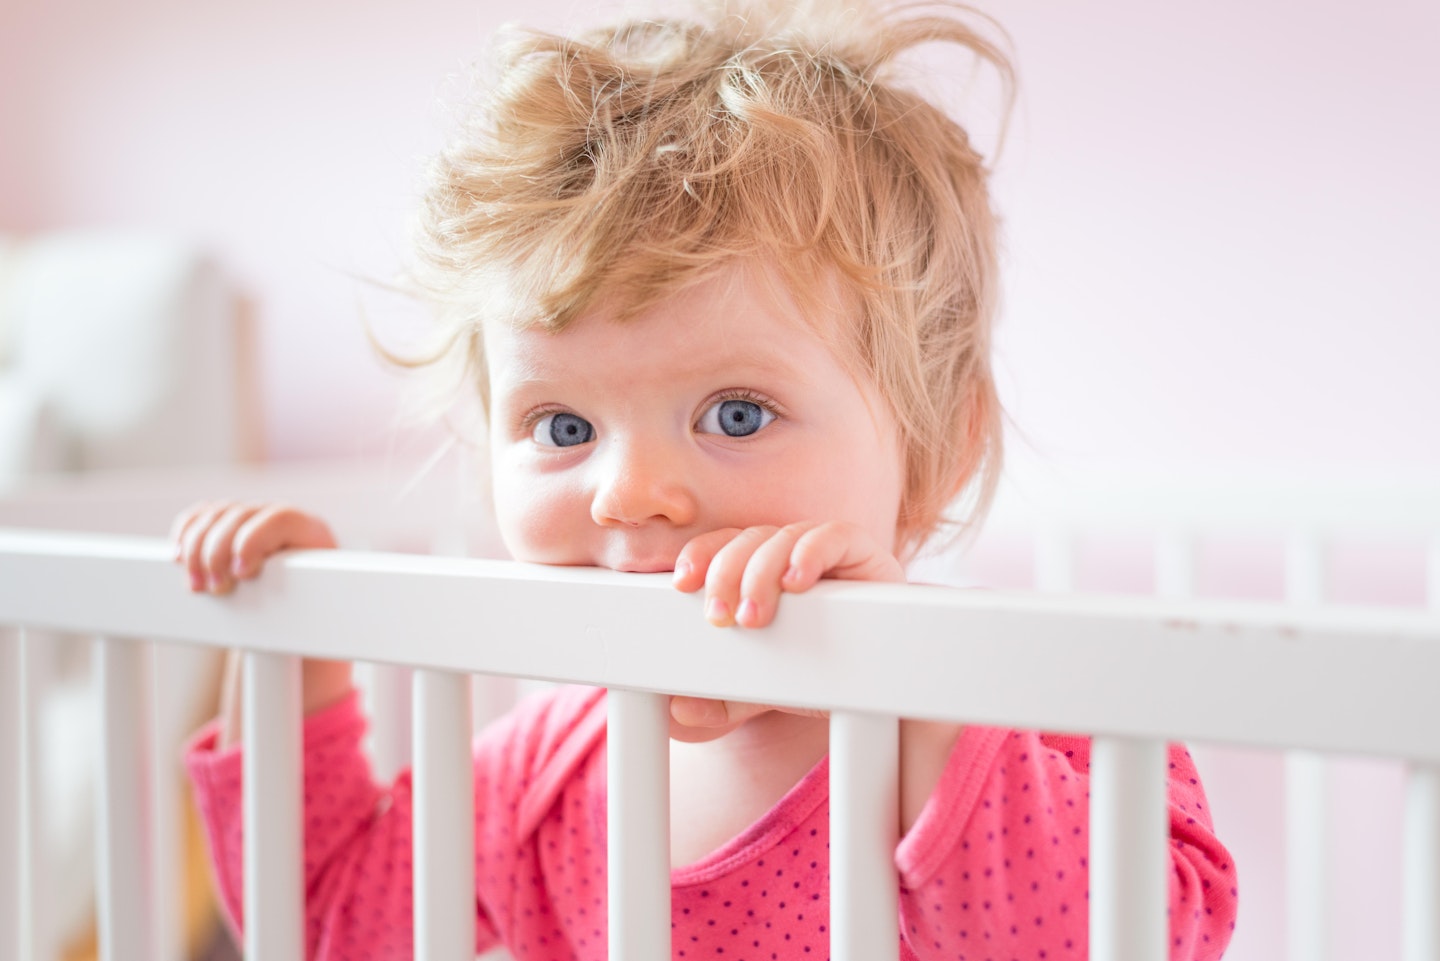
x,y
725,288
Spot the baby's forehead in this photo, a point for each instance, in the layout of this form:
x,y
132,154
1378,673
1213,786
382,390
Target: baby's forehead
x,y
760,291
743,320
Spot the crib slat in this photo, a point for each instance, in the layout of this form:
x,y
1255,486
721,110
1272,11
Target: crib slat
x,y
1306,864
11,788
864,829
1422,863
444,818
274,869
1306,809
127,901
37,674
168,799
1129,850
1422,830
637,747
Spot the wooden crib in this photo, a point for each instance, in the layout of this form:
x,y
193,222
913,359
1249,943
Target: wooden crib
x,y
1298,675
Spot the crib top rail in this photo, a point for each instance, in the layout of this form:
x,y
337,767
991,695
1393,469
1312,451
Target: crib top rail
x,y
1121,499
1350,680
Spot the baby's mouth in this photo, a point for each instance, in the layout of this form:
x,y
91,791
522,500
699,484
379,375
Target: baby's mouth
x,y
642,567
631,559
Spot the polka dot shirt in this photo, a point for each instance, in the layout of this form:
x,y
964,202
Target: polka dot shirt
x,y
995,869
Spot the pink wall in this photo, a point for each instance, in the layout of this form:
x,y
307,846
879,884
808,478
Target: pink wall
x,y
1222,224
285,137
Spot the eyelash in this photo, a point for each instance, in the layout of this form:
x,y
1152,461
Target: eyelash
x,y
526,424
741,393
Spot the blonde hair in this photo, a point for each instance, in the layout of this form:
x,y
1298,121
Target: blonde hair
x,y
633,161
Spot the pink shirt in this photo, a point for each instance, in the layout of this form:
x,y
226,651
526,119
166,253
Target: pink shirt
x,y
994,868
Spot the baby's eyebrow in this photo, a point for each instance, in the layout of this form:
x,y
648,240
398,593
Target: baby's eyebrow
x,y
528,374
744,364
525,376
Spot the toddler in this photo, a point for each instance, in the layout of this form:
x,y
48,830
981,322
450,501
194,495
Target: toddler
x,y
725,288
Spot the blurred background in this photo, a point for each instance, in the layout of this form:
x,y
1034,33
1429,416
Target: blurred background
x,y
1222,225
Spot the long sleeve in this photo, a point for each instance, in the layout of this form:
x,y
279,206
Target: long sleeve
x,y
998,863
357,845
529,770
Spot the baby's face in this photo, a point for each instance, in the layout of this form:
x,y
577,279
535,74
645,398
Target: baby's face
x,y
614,443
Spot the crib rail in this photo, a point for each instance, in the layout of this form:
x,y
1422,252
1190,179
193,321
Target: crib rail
x,y
1097,665
1076,663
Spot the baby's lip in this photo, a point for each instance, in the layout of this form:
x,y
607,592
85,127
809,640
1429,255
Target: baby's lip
x,y
638,555
644,567
636,561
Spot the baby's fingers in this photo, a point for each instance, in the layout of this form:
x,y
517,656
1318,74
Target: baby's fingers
x,y
192,527
727,572
707,713
841,551
216,551
184,521
693,564
761,582
220,542
703,718
272,529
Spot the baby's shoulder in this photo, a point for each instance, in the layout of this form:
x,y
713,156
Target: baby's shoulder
x,y
1074,748
544,725
525,760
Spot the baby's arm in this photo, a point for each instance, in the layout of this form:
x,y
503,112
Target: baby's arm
x,y
222,543
357,832
1000,857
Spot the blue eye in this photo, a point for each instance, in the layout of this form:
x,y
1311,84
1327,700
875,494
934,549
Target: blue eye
x,y
562,430
734,418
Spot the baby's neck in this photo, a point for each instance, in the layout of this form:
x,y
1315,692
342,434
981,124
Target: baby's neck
x,y
719,788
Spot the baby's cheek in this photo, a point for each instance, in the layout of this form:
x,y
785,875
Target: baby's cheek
x,y
538,523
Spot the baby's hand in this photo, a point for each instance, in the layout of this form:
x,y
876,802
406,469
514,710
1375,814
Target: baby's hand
x,y
221,543
745,571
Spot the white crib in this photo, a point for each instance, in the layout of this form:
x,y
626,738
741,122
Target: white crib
x,y
1058,659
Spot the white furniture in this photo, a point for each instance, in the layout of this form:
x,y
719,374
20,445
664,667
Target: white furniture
x,y
117,350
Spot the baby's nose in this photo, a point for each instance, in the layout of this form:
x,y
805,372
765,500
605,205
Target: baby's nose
x,y
637,487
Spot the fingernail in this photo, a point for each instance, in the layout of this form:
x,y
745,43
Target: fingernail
x,y
717,612
237,567
197,583
791,575
747,613
682,570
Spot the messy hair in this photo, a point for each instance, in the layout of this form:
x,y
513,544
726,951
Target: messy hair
x,y
628,163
